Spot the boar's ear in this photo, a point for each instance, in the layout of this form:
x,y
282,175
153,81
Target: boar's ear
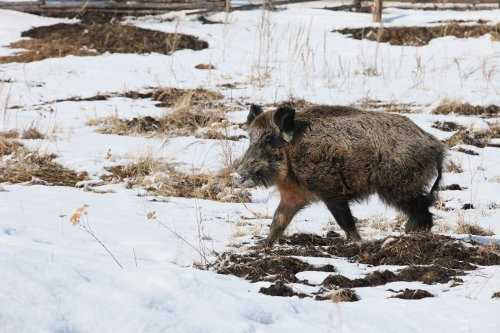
x,y
255,110
284,118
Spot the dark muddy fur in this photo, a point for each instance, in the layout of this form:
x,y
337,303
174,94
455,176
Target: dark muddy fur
x,y
339,154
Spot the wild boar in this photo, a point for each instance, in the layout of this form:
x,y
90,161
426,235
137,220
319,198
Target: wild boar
x,y
337,155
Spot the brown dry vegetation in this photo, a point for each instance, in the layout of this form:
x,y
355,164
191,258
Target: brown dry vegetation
x,y
32,134
453,167
160,178
19,165
466,109
339,296
196,112
419,36
472,229
91,39
477,138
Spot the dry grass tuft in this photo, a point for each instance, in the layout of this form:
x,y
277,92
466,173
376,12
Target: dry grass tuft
x,y
472,229
160,178
343,295
32,134
8,146
466,109
196,112
23,166
62,39
453,167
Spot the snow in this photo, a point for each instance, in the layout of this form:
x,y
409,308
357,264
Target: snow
x,y
57,278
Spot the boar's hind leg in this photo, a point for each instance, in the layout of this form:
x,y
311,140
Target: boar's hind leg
x,y
282,218
342,214
417,210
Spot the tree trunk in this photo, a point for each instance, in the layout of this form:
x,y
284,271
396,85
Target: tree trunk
x,y
377,10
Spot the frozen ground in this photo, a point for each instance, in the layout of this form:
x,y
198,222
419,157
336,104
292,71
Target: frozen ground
x,y
57,278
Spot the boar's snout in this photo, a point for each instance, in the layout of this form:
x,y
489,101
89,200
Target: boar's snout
x,y
251,172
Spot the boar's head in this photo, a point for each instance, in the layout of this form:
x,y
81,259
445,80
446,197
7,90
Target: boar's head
x,y
270,132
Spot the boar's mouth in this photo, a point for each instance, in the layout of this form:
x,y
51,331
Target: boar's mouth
x,y
262,179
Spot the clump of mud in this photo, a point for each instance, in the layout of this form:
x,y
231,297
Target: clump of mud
x,y
280,289
447,126
418,36
412,294
90,39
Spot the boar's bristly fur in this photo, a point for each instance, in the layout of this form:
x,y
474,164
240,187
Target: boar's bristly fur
x,y
340,154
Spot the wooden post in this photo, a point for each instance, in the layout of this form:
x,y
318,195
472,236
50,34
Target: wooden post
x,y
377,10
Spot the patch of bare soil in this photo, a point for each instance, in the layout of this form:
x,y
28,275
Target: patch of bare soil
x,y
425,274
428,259
19,165
280,289
412,294
90,39
418,36
164,180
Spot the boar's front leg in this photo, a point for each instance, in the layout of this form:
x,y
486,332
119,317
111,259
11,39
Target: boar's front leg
x,y
342,214
283,215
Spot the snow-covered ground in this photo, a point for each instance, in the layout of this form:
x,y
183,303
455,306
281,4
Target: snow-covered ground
x,y
56,278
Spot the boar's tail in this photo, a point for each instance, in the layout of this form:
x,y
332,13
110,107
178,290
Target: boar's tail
x,y
435,186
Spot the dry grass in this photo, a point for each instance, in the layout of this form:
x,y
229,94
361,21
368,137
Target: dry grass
x,y
472,229
7,145
196,112
343,295
466,109
22,166
32,134
78,39
160,178
453,167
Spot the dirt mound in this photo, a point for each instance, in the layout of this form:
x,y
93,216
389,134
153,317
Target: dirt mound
x,y
412,294
418,36
425,249
425,274
84,39
428,258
